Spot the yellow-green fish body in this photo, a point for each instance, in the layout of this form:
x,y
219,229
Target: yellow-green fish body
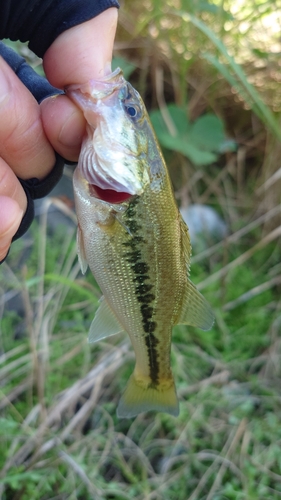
x,y
137,248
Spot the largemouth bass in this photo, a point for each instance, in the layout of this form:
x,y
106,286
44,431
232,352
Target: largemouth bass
x,y
133,238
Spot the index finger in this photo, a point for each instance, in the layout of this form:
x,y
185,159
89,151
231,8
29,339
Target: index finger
x,y
23,143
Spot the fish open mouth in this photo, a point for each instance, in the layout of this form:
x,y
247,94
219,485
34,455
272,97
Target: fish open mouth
x,y
108,195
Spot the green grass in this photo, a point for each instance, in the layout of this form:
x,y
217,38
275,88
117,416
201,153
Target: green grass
x,y
60,437
59,434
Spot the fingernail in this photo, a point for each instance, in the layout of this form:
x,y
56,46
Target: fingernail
x,y
107,68
53,96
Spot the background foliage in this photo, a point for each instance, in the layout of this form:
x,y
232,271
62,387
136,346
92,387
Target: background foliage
x,y
209,72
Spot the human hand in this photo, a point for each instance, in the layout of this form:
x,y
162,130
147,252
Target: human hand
x,y
31,133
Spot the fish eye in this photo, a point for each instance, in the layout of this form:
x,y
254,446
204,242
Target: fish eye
x,y
132,111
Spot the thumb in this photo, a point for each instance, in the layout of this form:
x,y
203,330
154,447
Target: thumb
x,y
83,52
79,54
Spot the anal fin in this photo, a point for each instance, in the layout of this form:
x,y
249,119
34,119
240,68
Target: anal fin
x,y
104,323
195,309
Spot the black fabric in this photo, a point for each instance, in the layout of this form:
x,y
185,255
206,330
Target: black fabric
x,y
41,21
39,189
27,218
40,88
35,189
36,84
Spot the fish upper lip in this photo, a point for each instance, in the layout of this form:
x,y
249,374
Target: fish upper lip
x,y
102,168
106,83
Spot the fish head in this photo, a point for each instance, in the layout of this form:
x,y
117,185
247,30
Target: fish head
x,y
114,152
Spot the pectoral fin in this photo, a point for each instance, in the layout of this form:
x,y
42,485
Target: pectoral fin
x,y
104,323
195,309
81,251
119,218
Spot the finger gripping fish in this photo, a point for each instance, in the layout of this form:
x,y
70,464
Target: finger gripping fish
x,y
133,238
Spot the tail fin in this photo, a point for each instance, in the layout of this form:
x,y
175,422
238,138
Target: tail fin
x,y
137,399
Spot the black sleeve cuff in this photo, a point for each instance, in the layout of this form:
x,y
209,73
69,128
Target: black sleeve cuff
x,y
27,218
39,87
40,22
35,189
39,189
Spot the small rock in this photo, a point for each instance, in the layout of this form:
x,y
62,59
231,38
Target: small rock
x,y
204,223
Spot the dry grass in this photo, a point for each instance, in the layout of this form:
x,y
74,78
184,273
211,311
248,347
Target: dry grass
x,y
62,405
59,435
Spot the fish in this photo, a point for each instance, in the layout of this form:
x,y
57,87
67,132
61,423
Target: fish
x,y
132,236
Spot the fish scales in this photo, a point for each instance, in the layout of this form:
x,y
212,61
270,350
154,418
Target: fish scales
x,y
138,248
134,283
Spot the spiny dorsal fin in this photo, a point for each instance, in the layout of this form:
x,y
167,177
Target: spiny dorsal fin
x,y
195,309
104,323
81,251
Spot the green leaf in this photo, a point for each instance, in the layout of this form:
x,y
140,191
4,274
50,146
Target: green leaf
x,y
198,141
177,116
183,145
197,156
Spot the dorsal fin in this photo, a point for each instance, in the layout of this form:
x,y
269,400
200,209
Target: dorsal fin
x,y
104,323
185,243
195,309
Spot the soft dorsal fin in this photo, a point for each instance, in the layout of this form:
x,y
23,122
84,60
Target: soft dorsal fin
x,y
104,323
185,243
195,309
81,250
